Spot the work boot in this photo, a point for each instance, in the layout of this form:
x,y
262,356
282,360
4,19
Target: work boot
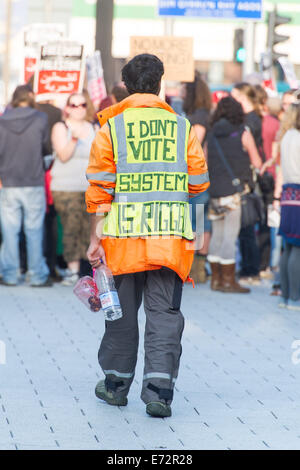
x,y
228,281
215,281
198,273
106,395
158,409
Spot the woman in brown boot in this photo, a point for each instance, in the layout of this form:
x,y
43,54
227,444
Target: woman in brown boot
x,y
229,145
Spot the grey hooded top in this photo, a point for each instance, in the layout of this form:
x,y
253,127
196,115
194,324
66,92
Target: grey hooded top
x,y
23,142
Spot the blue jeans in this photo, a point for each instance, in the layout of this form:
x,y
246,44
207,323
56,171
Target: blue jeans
x,y
27,205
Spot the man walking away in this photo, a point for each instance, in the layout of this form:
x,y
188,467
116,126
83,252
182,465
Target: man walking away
x,y
145,162
23,142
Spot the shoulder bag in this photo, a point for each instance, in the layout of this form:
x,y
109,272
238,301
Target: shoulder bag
x,y
252,207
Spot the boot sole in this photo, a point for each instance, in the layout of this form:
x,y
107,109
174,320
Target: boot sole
x,y
158,410
215,288
112,401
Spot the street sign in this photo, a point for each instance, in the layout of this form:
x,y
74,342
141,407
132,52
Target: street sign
x,y
175,52
246,9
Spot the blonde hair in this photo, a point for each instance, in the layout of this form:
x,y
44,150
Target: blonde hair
x,y
274,105
288,121
251,93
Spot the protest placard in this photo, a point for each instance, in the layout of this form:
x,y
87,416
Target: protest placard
x,y
289,72
60,70
175,52
35,35
95,78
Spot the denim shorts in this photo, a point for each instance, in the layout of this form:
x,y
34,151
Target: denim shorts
x,y
202,198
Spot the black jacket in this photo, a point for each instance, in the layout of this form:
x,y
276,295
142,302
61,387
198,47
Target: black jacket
x,y
230,141
23,142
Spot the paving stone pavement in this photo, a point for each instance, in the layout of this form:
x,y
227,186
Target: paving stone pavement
x,y
238,387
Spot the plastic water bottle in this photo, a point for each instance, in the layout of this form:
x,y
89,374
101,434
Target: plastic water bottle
x,y
108,294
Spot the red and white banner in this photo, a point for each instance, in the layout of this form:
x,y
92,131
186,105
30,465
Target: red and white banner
x,y
95,78
60,70
29,67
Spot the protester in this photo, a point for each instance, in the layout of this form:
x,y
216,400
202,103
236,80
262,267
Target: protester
x,y
118,93
288,120
72,141
197,105
270,126
141,139
23,142
289,97
267,235
229,145
50,234
262,98
290,215
246,95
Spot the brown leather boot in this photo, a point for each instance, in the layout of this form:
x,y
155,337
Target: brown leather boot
x,y
215,282
228,282
198,273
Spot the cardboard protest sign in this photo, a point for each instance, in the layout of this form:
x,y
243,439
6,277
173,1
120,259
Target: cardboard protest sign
x,y
95,78
176,54
35,35
60,70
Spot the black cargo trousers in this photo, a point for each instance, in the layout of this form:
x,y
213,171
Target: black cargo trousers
x,y
162,289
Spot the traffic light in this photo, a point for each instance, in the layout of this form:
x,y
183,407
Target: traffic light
x,y
239,52
273,37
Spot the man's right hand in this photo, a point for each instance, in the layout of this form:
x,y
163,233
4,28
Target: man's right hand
x,y
96,254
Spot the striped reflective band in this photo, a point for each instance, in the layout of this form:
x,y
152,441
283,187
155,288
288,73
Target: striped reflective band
x,y
152,196
102,176
142,219
110,191
123,375
199,179
159,375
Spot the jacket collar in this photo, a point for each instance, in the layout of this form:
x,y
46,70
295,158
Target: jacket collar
x,y
137,100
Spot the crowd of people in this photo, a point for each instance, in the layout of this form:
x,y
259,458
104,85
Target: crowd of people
x,y
75,195
251,143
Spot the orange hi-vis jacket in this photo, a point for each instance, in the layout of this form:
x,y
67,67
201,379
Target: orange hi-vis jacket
x,y
130,255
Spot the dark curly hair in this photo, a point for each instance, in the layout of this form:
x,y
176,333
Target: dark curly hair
x,y
143,74
197,96
229,109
